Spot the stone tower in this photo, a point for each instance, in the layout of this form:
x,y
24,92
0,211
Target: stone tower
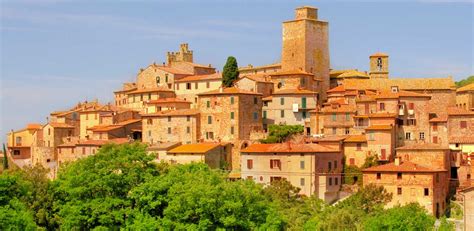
x,y
183,55
306,46
379,66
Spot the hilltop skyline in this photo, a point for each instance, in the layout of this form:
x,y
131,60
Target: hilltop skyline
x,y
84,51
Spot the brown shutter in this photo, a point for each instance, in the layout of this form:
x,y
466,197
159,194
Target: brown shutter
x,y
384,153
271,163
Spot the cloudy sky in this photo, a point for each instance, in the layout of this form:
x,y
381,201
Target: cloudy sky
x,y
55,53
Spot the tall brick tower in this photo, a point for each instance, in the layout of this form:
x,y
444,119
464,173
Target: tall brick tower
x,y
379,66
306,46
183,55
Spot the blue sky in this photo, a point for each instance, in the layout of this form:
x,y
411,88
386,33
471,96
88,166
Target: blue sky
x,y
55,53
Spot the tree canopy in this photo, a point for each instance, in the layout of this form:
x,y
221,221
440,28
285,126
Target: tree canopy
x,y
231,72
465,82
280,133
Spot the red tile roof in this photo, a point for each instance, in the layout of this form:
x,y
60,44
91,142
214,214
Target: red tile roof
x,y
200,148
34,126
60,125
288,148
456,111
400,94
147,90
339,88
461,139
172,70
469,87
193,78
403,167
356,139
110,127
339,108
230,91
440,118
423,146
262,78
291,72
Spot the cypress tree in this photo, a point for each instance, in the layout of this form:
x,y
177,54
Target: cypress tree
x,y
231,72
5,158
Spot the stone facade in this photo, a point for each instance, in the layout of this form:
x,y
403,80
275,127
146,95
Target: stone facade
x,y
214,155
465,97
289,107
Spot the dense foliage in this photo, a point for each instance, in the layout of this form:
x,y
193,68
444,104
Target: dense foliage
x,y
121,187
280,133
465,82
230,73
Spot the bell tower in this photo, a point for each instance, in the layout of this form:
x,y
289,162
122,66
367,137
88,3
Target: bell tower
x,y
379,66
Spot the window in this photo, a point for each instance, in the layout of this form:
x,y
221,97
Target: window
x,y
463,124
329,166
302,164
169,130
188,118
333,117
399,191
188,86
347,131
188,129
359,147
334,131
282,101
83,151
303,114
435,139
302,81
208,85
49,132
149,121
157,79
231,115
437,177
275,164
273,178
232,130
336,181
435,126
411,106
196,85
208,104
348,117
371,135
282,113
169,118
422,136
399,175
255,100
408,136
255,116
330,181
141,99
264,114
411,122
16,152
232,100
303,102
379,176
427,191
166,77
382,106
209,120
249,164
302,182
468,176
383,154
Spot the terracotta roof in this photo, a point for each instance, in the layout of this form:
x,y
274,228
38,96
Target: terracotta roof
x,y
198,65
365,98
456,111
199,148
423,146
172,70
339,88
379,127
110,127
126,90
356,139
340,101
339,108
382,115
163,146
400,94
335,73
147,90
403,167
461,140
291,72
294,92
60,125
288,148
469,87
167,100
103,142
440,118
262,78
34,126
331,138
379,54
353,74
193,78
250,67
402,83
179,112
230,91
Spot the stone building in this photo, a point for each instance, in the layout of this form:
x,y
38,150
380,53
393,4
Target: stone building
x,y
337,77
314,168
19,142
71,151
378,66
356,150
164,104
215,155
189,87
125,129
183,125
259,83
465,97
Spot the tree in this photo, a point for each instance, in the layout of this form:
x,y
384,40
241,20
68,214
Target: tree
x,y
408,217
5,158
280,133
230,72
465,82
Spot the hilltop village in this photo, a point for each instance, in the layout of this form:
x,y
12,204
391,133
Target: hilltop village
x,y
418,130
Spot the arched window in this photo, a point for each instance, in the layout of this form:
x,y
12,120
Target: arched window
x,y
157,79
379,63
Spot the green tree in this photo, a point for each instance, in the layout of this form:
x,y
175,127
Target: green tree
x,y
446,225
94,192
352,175
14,213
408,217
465,82
231,72
5,158
280,133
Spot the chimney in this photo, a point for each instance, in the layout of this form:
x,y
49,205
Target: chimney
x,y
397,161
221,89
